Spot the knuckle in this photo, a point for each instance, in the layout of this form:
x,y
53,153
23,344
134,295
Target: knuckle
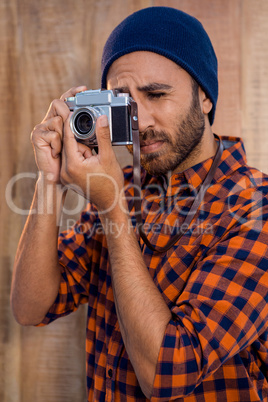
x,y
106,134
58,121
36,131
70,92
38,127
54,136
54,103
59,107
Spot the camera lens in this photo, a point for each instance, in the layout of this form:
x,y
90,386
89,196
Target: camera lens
x,y
84,123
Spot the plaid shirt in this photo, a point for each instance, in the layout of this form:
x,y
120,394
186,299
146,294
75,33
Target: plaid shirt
x,y
214,280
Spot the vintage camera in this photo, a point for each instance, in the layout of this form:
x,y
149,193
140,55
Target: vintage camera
x,y
87,106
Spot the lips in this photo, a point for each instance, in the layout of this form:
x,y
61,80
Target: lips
x,y
151,146
146,143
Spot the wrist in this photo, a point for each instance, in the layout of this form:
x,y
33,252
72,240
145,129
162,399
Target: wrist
x,y
48,178
116,211
50,195
116,221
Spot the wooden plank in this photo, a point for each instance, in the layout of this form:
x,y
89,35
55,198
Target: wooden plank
x,y
9,357
222,21
46,47
255,81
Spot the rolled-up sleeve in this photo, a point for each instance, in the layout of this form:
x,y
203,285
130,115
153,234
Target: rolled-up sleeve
x,y
78,250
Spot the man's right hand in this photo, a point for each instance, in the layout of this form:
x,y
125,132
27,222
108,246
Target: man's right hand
x,y
37,274
47,137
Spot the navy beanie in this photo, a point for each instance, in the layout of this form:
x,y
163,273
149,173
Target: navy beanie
x,y
170,33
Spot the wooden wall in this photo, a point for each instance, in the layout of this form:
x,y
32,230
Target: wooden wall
x,y
46,47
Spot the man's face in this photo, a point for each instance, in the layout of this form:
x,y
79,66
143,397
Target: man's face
x,y
171,122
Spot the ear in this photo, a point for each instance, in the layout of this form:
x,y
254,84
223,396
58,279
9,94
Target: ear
x,y
205,102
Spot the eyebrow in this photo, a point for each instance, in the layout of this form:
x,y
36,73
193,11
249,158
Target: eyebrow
x,y
153,86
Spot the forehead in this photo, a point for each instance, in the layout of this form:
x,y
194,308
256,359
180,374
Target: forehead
x,y
143,67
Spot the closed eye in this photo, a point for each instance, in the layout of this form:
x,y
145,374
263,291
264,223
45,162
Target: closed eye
x,y
155,95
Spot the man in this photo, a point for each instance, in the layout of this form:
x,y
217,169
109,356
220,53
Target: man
x,y
189,323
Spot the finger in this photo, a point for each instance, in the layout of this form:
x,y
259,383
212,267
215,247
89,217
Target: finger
x,y
49,133
70,145
104,138
72,152
57,108
73,91
45,139
56,145
85,151
53,124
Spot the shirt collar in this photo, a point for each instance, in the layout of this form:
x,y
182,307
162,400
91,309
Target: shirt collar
x,y
233,157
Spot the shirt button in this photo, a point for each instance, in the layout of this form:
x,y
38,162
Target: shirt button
x,y
110,373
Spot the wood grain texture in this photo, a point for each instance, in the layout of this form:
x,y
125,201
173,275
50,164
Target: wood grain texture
x,y
47,47
254,61
8,80
222,21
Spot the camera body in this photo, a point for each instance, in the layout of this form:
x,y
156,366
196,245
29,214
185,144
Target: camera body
x,y
87,106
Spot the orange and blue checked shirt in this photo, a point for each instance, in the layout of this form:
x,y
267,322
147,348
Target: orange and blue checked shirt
x,y
214,280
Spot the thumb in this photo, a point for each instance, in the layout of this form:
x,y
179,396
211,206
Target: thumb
x,y
70,146
69,141
103,137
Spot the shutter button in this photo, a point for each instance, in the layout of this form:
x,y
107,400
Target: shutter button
x,y
110,373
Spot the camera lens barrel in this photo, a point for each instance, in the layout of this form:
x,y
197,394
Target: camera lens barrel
x,y
83,122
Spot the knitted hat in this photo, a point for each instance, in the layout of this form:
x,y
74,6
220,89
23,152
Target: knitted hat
x,y
170,33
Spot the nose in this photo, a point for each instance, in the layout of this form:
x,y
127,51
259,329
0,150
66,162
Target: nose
x,y
145,116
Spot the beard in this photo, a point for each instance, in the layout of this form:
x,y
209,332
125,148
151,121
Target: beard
x,y
184,147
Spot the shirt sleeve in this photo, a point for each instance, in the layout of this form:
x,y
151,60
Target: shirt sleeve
x,y
78,249
222,310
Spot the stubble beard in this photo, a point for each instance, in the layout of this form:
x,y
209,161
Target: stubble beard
x,y
185,147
